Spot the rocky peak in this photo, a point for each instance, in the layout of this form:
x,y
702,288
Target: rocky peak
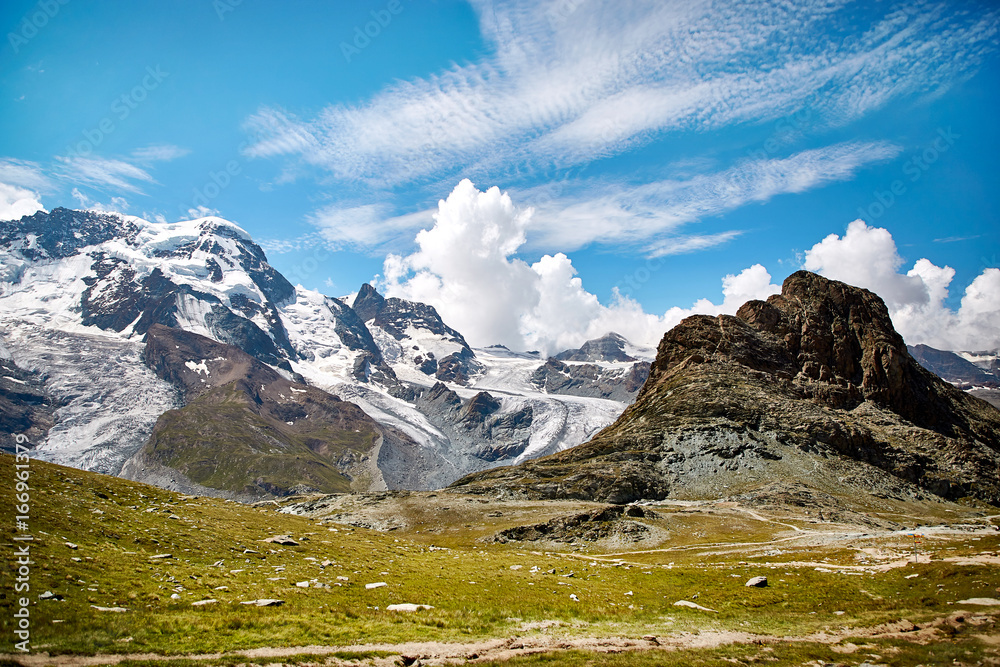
x,y
62,232
609,347
418,334
814,383
368,303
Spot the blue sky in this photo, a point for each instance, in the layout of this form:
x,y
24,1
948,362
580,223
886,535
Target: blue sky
x,y
661,145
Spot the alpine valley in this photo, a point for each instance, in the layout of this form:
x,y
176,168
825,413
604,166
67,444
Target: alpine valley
x,y
175,354
299,478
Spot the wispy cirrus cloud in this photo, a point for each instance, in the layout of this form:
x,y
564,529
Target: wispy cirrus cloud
x,y
118,174
570,84
652,213
367,226
25,174
103,173
158,153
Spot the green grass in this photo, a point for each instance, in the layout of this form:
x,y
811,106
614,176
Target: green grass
x,y
218,441
118,525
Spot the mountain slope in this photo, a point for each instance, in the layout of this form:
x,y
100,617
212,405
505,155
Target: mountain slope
x,y
247,431
814,386
952,367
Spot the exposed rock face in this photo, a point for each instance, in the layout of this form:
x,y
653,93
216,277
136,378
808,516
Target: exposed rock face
x,y
475,424
25,406
621,384
63,232
418,334
609,347
813,386
597,524
248,432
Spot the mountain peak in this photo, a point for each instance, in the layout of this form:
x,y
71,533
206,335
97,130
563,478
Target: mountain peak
x,y
609,347
368,302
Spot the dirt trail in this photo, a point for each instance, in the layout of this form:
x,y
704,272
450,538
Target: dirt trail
x,y
441,653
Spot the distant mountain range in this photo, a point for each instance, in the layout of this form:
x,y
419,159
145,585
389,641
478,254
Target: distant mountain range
x,y
91,303
175,354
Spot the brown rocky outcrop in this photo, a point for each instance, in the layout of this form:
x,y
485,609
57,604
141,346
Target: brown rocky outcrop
x,y
814,385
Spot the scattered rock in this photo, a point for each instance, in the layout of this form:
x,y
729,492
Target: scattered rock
x,y
692,605
597,524
572,596
757,582
116,610
986,602
407,606
175,596
285,540
49,595
201,603
72,546
157,556
302,584
265,602
342,578
378,584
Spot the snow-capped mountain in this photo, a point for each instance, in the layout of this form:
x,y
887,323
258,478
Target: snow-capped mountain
x,y
80,290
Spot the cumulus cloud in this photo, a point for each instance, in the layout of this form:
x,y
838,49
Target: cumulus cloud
x,y
16,202
466,267
867,257
20,183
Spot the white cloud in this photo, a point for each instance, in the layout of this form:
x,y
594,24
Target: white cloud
x,y
867,257
117,205
572,82
103,173
572,215
159,153
202,211
466,267
16,202
365,226
24,174
117,174
690,243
